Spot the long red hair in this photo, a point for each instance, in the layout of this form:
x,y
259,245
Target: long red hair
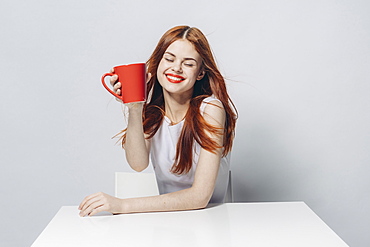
x,y
195,128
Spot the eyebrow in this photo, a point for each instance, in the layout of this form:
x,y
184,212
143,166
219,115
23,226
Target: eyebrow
x,y
187,58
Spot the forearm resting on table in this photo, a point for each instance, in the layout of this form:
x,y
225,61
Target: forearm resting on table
x,y
186,199
137,154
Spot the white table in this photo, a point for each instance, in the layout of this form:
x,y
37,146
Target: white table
x,y
235,224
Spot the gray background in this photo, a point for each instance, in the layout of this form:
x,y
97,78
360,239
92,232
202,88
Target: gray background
x,y
298,72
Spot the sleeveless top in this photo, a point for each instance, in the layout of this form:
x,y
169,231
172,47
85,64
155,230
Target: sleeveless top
x,y
162,154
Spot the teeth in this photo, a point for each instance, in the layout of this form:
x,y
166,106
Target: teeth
x,y
174,78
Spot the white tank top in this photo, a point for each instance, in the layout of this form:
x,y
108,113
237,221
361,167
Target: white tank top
x,y
163,151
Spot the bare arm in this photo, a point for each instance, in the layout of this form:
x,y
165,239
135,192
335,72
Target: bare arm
x,y
195,197
136,146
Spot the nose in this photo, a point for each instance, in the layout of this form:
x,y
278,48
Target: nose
x,y
177,67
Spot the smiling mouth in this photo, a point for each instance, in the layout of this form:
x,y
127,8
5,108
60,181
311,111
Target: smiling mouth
x,y
174,78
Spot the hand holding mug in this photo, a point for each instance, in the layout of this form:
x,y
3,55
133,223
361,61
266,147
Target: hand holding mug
x,y
131,85
116,85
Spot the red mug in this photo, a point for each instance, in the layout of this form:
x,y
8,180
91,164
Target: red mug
x,y
133,82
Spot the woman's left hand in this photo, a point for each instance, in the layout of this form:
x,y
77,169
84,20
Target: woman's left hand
x,y
99,202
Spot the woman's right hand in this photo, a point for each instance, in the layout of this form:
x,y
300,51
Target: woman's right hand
x,y
115,83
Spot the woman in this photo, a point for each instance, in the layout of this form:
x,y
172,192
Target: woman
x,y
186,127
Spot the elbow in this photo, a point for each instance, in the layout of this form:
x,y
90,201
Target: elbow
x,y
137,161
201,201
201,204
139,169
138,166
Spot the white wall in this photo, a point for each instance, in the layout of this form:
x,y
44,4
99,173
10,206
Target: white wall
x,y
298,72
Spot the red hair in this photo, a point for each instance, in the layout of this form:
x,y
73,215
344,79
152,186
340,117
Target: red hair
x,y
195,127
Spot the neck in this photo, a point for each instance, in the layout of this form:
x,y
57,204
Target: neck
x,y
176,106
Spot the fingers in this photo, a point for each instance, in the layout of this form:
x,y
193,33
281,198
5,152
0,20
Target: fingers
x,y
94,208
117,88
89,200
82,204
115,83
97,203
97,210
113,79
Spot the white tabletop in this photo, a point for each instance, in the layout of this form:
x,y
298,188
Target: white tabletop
x,y
235,224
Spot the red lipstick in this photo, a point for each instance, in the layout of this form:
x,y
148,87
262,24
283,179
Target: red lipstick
x,y
174,78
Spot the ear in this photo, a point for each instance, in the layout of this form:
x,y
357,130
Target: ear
x,y
201,75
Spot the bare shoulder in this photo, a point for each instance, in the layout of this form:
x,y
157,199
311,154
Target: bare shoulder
x,y
214,113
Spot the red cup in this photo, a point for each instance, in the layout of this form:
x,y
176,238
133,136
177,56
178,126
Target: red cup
x,y
133,82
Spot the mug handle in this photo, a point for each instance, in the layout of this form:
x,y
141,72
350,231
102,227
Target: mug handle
x,y
106,87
